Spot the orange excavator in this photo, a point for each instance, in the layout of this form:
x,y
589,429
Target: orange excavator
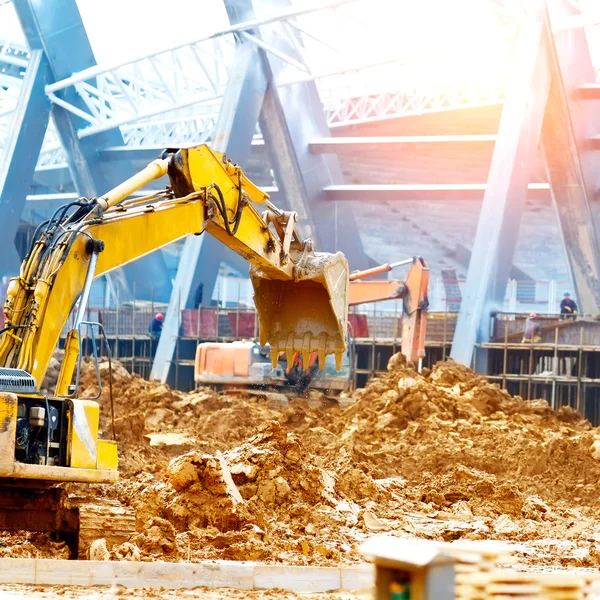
x,y
247,364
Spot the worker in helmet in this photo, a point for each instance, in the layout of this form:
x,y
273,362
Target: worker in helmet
x,y
155,328
533,330
568,307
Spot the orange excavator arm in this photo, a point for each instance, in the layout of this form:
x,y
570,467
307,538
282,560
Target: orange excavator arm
x,y
413,292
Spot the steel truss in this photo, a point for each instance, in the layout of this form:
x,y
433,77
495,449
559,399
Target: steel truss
x,y
173,97
195,74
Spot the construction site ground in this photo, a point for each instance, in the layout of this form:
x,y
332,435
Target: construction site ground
x,y
443,455
67,593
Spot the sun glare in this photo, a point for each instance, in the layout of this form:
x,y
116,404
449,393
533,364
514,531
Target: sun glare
x,y
436,42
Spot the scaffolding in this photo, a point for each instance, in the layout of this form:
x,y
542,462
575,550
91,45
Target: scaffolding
x,y
563,368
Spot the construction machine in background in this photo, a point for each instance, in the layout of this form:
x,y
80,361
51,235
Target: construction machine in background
x,y
300,296
245,364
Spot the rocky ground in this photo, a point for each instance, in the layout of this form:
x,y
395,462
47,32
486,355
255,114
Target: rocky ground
x,y
442,455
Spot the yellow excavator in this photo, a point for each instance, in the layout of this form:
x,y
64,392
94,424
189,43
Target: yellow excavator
x,y
300,296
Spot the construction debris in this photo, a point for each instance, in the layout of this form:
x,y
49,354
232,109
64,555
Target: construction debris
x,y
442,455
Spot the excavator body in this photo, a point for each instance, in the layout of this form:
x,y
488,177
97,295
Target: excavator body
x,y
225,365
301,299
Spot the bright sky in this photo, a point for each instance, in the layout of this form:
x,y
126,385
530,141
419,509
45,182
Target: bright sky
x,y
128,28
442,40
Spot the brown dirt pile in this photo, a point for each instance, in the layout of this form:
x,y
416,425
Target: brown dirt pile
x,y
449,421
442,455
264,500
152,413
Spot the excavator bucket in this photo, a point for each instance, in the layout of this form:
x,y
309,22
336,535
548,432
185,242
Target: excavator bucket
x,y
306,314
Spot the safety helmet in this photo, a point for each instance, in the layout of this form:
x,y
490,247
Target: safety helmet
x,y
158,317
532,315
566,294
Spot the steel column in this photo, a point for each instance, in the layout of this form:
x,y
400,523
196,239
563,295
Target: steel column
x,y
291,117
202,255
572,165
506,192
57,29
25,138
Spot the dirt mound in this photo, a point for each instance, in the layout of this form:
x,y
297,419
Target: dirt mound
x,y
443,454
266,497
414,425
154,423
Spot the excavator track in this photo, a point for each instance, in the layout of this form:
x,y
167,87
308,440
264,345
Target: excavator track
x,y
77,520
101,518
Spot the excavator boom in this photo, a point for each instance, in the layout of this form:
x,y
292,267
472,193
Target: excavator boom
x,y
301,296
412,291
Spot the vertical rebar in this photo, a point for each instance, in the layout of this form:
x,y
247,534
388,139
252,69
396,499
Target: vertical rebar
x,y
237,316
198,321
373,349
553,401
117,324
505,358
579,360
445,335
134,322
529,381
177,345
354,374
103,315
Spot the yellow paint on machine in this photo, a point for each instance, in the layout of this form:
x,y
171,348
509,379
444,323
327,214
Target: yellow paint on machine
x,y
8,425
84,438
107,455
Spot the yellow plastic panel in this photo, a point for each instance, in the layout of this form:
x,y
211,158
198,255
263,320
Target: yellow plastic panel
x,y
84,438
107,455
8,425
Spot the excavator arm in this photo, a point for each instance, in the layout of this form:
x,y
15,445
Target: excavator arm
x,y
301,296
413,291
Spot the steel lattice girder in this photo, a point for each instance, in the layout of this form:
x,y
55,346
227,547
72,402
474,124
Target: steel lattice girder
x,y
553,69
58,31
23,143
505,194
195,74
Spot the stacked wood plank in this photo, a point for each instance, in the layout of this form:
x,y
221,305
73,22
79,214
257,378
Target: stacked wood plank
x,y
484,579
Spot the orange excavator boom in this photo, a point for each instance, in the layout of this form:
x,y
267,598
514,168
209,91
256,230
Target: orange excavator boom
x,y
413,291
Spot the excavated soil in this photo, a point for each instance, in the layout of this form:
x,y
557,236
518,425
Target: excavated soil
x,y
442,455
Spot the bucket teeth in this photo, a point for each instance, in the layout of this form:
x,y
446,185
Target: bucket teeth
x,y
306,350
263,338
274,357
322,350
305,360
289,356
338,360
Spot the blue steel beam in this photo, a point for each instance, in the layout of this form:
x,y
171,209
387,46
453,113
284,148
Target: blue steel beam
x,y
25,138
202,255
291,117
505,194
573,167
57,29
